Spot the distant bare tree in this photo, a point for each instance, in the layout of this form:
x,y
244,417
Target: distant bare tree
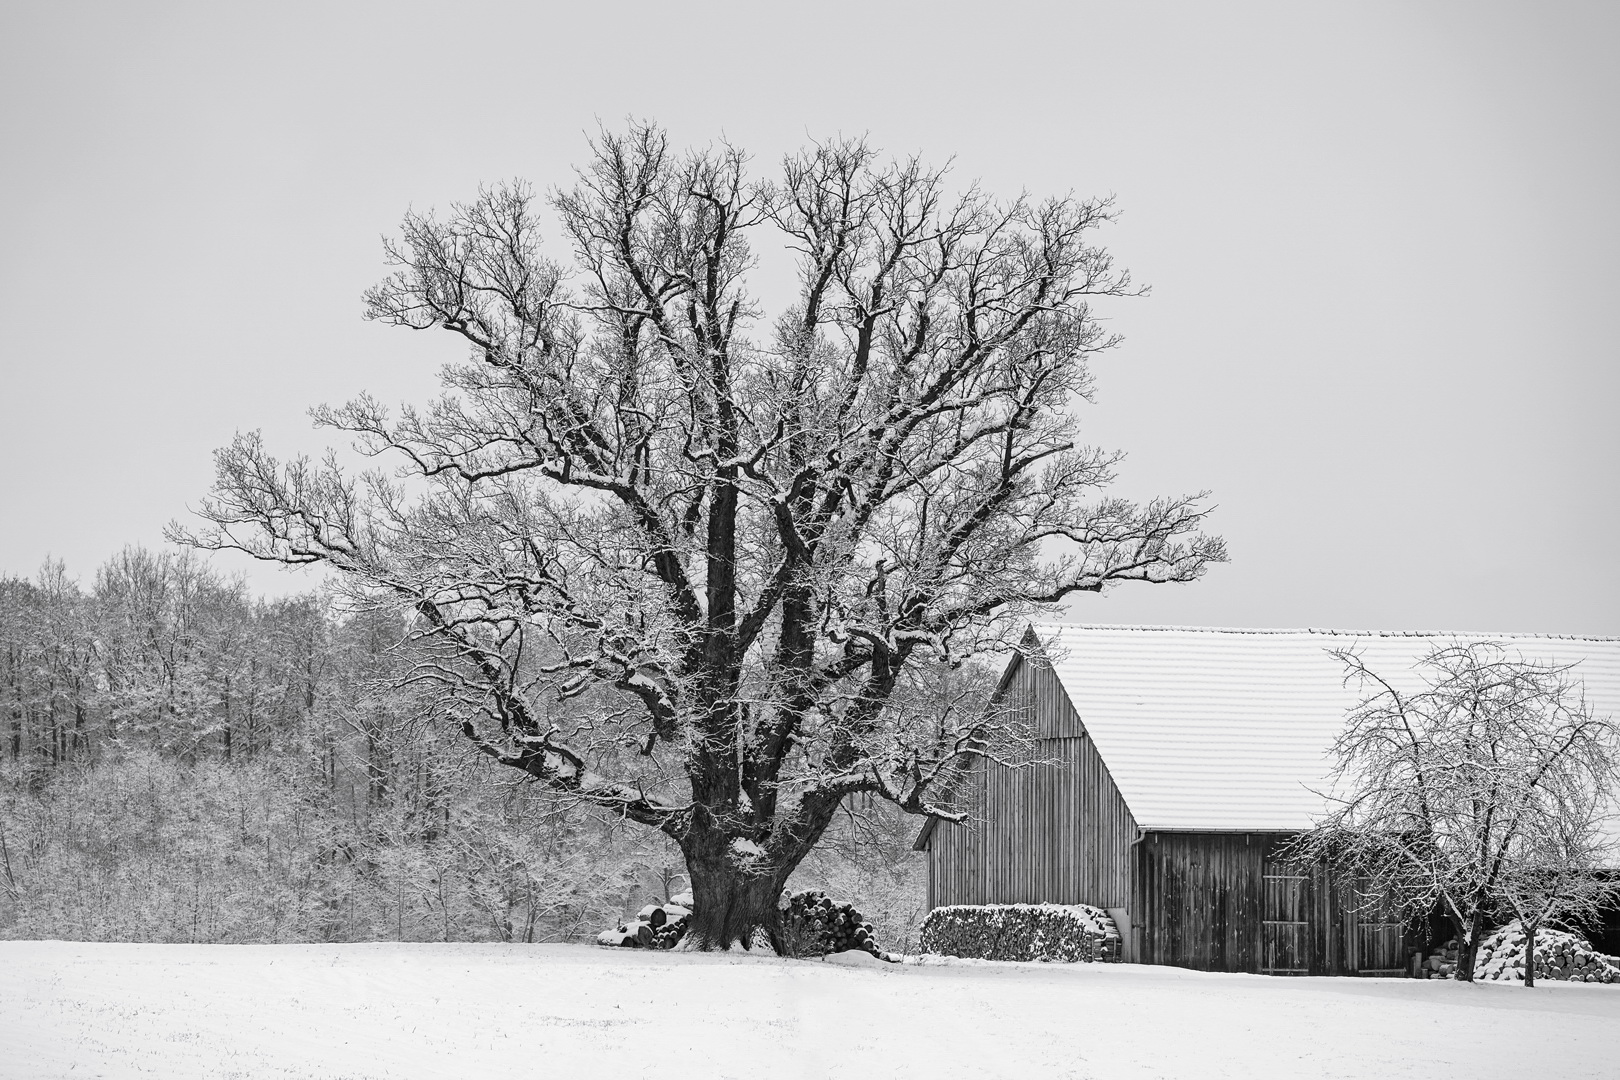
x,y
1478,790
729,555
1556,869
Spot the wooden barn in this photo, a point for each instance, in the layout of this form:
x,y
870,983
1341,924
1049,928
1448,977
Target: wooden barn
x,y
1174,764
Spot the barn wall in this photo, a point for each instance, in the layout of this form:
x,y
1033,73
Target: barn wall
x,y
1604,930
1198,897
956,852
1228,902
1054,829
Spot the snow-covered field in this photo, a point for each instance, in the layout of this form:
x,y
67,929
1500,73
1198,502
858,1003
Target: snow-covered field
x,y
70,1009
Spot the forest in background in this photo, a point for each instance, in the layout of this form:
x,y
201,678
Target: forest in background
x,y
185,762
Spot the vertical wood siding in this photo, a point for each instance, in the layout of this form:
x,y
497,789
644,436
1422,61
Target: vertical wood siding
x,y
956,852
1198,899
1227,902
1052,829
1055,828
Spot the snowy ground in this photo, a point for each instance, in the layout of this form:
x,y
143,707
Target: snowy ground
x,y
70,1009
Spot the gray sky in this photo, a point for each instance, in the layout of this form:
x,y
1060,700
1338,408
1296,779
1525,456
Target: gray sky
x,y
1381,237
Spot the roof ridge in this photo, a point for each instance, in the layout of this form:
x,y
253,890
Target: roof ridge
x,y
1475,634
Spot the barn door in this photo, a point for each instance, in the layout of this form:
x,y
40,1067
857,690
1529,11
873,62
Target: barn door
x,y
1285,947
1379,949
1380,938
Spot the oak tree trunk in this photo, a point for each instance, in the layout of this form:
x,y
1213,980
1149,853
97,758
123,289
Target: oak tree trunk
x,y
736,887
731,901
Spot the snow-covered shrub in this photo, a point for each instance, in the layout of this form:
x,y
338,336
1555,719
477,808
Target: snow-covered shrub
x,y
1559,955
1064,932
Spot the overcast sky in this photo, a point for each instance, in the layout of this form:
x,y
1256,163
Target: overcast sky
x,y
1383,241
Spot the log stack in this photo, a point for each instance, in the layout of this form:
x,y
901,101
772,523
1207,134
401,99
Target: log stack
x,y
656,926
812,923
816,925
1560,955
1442,963
1067,933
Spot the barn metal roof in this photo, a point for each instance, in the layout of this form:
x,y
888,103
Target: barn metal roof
x,y
1230,729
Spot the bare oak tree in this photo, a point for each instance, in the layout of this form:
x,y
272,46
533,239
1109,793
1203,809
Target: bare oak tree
x,y
689,572
1454,796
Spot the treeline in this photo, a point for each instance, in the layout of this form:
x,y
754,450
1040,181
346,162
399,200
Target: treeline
x,y
183,761
161,652
186,762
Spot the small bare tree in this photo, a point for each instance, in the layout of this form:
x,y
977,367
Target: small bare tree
x,y
731,554
1479,790
1555,870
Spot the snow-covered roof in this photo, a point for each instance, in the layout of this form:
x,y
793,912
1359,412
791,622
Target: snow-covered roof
x,y
1230,729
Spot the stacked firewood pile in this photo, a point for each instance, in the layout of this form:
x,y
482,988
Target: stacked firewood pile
x,y
1063,932
656,926
1442,963
815,925
1559,955
812,923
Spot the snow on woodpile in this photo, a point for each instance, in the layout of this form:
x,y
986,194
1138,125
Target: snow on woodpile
x,y
816,925
1442,963
1559,955
1063,932
656,926
812,923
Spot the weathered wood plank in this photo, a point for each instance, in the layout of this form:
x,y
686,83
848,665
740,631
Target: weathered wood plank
x,y
1056,830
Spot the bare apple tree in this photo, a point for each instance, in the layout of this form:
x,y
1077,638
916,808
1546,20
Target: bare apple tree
x,y
1480,791
691,575
1557,870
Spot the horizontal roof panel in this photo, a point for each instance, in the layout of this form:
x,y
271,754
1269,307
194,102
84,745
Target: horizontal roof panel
x,y
1231,729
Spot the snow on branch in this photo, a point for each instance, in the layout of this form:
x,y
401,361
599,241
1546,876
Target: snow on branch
x,y
743,546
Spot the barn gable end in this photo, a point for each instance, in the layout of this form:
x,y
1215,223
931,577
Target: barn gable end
x,y
1056,830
